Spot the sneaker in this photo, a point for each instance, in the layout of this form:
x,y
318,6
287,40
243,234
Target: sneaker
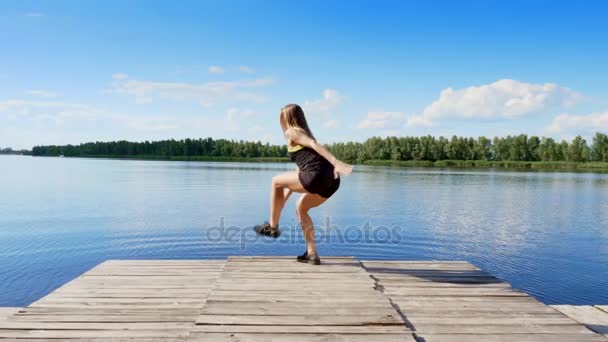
x,y
266,230
303,257
311,259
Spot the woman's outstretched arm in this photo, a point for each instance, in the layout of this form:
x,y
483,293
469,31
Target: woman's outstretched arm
x,y
302,139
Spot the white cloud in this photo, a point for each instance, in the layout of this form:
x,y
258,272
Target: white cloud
x,y
234,117
26,108
120,76
41,113
418,120
381,119
578,124
392,133
332,123
331,99
246,69
153,124
216,69
34,14
504,98
42,93
239,113
206,94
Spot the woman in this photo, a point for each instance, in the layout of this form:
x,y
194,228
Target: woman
x,y
317,177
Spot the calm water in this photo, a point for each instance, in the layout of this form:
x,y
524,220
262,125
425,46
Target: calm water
x,y
546,233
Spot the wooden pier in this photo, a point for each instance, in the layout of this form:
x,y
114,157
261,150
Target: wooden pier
x,y
279,299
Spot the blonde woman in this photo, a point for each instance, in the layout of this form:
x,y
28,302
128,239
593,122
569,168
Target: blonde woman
x,y
317,177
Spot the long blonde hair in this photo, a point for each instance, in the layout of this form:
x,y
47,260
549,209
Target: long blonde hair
x,y
292,116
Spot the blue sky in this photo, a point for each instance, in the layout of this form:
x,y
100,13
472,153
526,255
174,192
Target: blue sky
x,y
138,70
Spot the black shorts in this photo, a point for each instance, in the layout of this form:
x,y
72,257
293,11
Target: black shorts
x,y
322,183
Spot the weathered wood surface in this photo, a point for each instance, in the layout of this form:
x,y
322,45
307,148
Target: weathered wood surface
x,y
278,299
593,317
456,301
120,301
7,311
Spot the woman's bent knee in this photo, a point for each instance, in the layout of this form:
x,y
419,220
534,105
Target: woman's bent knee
x,y
276,182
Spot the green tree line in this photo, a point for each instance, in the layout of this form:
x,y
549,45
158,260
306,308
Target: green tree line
x,y
8,150
426,148
166,148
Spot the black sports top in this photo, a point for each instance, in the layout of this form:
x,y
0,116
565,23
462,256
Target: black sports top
x,y
308,159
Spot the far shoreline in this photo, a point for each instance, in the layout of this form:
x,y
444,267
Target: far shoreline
x,y
559,166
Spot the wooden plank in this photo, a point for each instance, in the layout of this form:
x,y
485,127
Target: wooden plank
x,y
358,281
334,263
387,279
282,257
29,325
163,262
455,306
94,317
248,274
278,309
138,300
435,295
143,273
131,292
119,311
315,320
278,269
456,292
301,299
301,329
256,337
100,339
512,337
428,266
494,311
302,286
307,292
97,306
183,268
465,300
6,312
85,334
296,287
151,278
117,283
552,320
379,272
428,284
308,304
501,329
592,317
292,263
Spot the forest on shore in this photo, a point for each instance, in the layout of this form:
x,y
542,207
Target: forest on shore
x,y
8,150
510,151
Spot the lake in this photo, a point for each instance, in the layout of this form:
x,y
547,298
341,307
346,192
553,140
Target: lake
x,y
544,232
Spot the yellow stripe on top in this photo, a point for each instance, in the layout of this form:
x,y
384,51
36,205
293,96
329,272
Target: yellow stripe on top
x,y
292,149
